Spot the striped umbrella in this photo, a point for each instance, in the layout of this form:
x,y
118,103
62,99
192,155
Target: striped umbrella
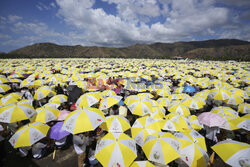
x,y
116,124
116,149
233,152
162,149
16,112
29,134
83,120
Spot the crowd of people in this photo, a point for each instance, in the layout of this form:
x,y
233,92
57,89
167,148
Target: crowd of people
x,y
74,78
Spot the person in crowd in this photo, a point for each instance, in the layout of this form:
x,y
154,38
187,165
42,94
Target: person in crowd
x,y
81,141
59,89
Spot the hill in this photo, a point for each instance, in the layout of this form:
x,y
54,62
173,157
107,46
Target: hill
x,y
222,49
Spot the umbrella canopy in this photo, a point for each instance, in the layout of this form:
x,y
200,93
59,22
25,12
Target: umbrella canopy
x,y
16,112
163,92
56,131
239,92
88,99
45,115
143,127
237,157
142,164
192,152
4,88
179,108
162,149
139,105
59,99
108,93
116,124
195,123
170,125
221,94
29,134
241,122
193,103
3,80
234,100
43,92
225,111
211,119
178,96
229,125
189,89
63,114
163,102
244,108
10,98
109,102
181,120
83,120
116,149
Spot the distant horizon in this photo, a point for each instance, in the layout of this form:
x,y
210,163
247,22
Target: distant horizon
x,y
124,46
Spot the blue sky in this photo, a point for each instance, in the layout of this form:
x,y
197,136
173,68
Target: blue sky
x,y
117,23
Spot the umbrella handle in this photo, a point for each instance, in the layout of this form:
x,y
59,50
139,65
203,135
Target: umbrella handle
x,y
54,153
211,160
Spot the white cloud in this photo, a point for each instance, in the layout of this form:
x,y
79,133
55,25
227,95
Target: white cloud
x,y
26,33
53,5
40,6
14,18
183,19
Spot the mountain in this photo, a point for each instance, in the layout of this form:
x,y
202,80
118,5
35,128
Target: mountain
x,y
222,49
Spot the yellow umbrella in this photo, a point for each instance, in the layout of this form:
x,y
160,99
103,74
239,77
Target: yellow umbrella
x,y
116,149
162,149
59,99
194,122
221,94
233,152
140,105
228,124
241,122
83,120
143,127
88,99
163,92
29,134
43,92
225,111
244,108
109,102
170,125
179,108
10,98
4,88
158,112
45,115
16,112
192,152
142,164
163,102
193,103
178,96
108,93
239,92
3,80
116,124
180,119
234,100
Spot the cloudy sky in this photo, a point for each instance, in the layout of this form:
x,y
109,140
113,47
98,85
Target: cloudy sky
x,y
117,23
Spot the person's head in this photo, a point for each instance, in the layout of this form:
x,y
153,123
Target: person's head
x,y
115,107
